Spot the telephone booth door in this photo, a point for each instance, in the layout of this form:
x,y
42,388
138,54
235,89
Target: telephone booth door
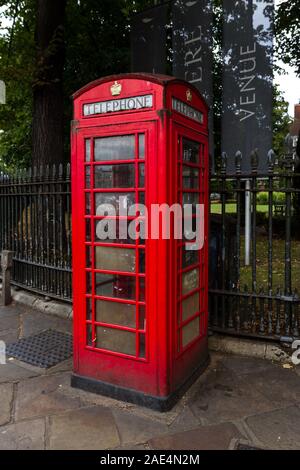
x,y
113,327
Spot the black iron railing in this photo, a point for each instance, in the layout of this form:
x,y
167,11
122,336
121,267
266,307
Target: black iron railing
x,y
35,214
259,297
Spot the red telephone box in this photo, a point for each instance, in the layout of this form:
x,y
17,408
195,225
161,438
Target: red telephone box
x,y
140,305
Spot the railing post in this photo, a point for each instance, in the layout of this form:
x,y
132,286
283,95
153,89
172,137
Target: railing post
x,y
6,265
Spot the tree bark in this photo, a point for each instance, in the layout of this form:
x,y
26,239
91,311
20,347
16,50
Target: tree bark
x,y
48,99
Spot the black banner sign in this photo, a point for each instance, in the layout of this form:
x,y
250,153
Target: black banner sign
x,y
247,81
148,40
192,48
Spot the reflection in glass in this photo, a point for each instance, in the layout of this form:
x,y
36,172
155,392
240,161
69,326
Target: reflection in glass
x,y
141,145
190,177
88,257
190,198
115,313
119,201
88,230
190,332
87,177
142,317
111,236
141,175
114,176
88,282
88,309
115,259
115,285
115,340
189,257
87,203
190,281
190,306
87,150
190,151
115,148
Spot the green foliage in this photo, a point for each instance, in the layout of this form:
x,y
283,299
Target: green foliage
x,y
281,121
263,197
287,26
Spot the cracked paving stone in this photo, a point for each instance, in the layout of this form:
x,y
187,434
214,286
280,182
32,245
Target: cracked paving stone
x,y
44,395
26,435
6,397
279,429
216,437
11,372
85,429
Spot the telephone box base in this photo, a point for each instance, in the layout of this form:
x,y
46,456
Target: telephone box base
x,y
133,396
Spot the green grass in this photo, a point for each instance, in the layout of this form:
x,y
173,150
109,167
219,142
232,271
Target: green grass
x,y
216,208
278,264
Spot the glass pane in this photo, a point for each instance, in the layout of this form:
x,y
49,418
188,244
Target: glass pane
x,y
141,175
108,231
142,197
190,331
87,177
142,289
142,317
142,346
142,261
88,282
88,230
88,309
115,340
115,313
190,198
189,257
190,151
114,285
88,260
115,176
89,335
141,145
87,150
115,148
190,281
87,203
190,306
115,259
190,177
116,200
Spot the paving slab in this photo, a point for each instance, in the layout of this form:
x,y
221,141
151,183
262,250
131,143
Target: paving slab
x,y
280,386
225,397
44,395
279,429
184,421
33,322
9,336
136,429
11,372
6,397
242,365
85,429
26,435
203,438
9,319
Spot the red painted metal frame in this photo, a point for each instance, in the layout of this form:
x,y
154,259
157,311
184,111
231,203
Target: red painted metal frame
x,y
166,364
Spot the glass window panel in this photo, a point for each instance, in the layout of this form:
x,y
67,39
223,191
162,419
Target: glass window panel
x,y
190,281
115,176
116,200
115,148
141,145
88,230
142,197
142,346
87,203
88,282
190,151
142,317
115,340
88,257
88,309
87,150
115,259
190,306
142,289
114,285
115,313
87,177
189,257
141,175
190,332
190,198
102,229
89,335
142,261
190,177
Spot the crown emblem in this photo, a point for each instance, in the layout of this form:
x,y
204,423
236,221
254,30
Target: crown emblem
x,y
116,88
189,95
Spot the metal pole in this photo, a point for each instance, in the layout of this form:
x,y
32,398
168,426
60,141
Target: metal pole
x,y
247,223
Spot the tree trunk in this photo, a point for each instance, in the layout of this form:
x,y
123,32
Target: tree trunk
x,y
48,104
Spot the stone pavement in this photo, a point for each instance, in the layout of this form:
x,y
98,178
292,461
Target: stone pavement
x,y
237,400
